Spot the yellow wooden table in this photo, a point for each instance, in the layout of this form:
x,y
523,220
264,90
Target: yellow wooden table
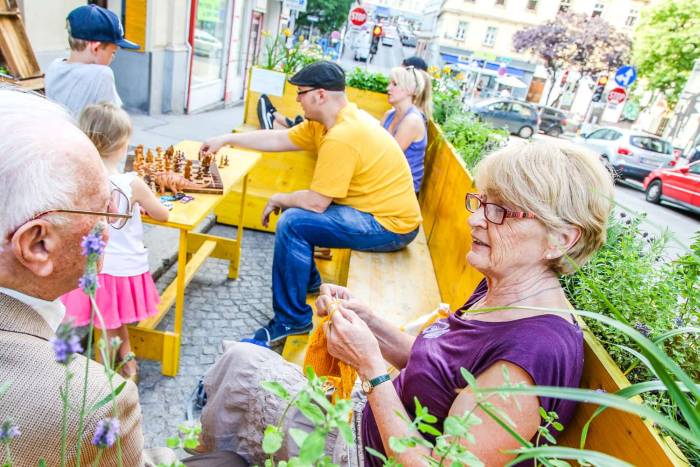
x,y
194,248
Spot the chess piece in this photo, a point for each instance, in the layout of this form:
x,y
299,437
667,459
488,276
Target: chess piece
x,y
159,151
149,157
170,151
225,160
188,170
153,187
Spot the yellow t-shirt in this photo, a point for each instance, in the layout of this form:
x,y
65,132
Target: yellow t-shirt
x,y
361,165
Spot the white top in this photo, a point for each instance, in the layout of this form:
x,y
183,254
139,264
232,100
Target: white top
x,y
126,255
76,85
52,312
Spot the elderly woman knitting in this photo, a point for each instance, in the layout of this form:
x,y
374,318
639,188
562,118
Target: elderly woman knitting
x,y
540,209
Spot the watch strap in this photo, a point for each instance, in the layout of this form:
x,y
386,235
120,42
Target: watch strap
x,y
374,382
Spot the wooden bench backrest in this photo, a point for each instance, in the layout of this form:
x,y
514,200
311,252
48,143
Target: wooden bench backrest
x,y
445,185
372,102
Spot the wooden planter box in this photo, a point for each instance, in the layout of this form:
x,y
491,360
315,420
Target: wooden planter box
x,y
617,433
282,171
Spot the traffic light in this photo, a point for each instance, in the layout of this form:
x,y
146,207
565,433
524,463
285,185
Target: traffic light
x,y
376,34
599,89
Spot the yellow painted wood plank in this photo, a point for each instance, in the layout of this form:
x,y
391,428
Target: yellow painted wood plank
x,y
398,286
135,19
225,247
168,297
295,346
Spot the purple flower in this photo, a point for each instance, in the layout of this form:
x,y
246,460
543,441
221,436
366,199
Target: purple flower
x,y
106,433
8,432
678,321
88,283
642,328
65,343
92,243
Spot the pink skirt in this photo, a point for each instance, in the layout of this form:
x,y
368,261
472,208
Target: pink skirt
x,y
121,300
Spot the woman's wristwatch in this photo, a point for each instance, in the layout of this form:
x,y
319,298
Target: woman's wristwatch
x,y
369,385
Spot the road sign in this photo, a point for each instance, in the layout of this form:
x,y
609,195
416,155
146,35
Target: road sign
x,y
617,96
298,5
358,16
625,75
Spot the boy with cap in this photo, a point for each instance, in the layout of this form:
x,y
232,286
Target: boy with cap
x,y
361,194
85,78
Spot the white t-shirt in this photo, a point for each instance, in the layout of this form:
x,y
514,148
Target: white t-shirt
x,y
125,254
76,85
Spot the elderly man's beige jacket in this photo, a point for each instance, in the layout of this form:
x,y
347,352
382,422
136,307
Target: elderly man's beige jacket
x,y
33,401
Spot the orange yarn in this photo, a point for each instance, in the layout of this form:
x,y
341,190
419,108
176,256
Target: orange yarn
x,y
340,375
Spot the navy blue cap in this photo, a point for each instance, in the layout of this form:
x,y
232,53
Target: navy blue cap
x,y
321,75
94,23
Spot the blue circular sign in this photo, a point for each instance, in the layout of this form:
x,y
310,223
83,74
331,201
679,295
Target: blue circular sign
x,y
625,75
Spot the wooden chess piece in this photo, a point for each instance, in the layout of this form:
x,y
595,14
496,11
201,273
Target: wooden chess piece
x,y
225,160
170,151
188,170
149,157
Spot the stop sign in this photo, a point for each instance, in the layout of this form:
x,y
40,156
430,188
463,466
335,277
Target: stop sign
x,y
358,16
617,96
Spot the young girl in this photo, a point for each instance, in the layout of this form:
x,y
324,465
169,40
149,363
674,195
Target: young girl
x,y
126,292
410,96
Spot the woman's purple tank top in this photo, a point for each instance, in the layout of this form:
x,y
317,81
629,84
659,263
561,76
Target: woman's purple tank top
x,y
415,152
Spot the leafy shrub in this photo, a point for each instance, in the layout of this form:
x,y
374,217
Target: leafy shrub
x,y
657,296
362,79
471,138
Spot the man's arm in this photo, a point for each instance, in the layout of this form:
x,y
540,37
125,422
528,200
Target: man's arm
x,y
304,199
260,140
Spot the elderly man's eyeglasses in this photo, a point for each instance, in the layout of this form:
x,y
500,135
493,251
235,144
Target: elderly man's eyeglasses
x,y
118,210
494,213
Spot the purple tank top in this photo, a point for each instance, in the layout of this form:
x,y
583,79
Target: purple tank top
x,y
547,347
415,152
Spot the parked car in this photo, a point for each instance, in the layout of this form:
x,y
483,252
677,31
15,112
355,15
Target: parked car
x,y
553,121
409,41
362,45
206,45
629,154
388,40
680,186
517,117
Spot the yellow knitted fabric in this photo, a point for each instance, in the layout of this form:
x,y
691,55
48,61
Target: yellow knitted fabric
x,y
341,375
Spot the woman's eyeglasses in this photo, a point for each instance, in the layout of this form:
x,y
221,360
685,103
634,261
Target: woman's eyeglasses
x,y
118,210
494,213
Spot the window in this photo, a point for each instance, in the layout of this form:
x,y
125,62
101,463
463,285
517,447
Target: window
x,y
564,5
694,169
532,5
499,107
501,2
490,39
461,30
598,9
598,134
632,17
523,111
651,144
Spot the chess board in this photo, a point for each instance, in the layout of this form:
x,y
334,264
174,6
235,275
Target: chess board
x,y
209,183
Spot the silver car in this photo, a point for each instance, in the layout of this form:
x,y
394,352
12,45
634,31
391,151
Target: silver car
x,y
629,154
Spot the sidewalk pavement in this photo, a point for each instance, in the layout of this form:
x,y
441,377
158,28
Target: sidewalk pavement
x,y
164,130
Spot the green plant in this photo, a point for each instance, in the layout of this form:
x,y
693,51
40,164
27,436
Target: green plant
x,y
471,138
312,402
281,54
361,79
631,280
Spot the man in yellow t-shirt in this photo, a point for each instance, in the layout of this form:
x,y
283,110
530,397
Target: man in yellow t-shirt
x,y
361,195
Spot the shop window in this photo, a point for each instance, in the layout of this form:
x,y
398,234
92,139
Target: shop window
x,y
632,17
500,2
564,5
490,38
532,5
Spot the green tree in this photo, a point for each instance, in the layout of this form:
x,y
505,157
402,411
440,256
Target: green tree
x,y
331,14
666,44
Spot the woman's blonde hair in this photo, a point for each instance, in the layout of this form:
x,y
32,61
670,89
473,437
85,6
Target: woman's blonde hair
x,y
562,184
107,126
417,83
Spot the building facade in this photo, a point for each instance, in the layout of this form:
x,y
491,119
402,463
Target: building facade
x,y
479,34
195,54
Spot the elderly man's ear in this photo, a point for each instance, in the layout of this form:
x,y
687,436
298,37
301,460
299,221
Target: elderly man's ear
x,y
35,245
562,241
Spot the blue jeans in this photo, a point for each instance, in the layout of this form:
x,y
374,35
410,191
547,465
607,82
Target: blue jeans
x,y
298,231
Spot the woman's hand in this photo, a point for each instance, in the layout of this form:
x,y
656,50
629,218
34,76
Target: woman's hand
x,y
351,341
331,293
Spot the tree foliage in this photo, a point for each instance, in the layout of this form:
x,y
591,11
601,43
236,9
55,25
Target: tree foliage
x,y
666,44
331,14
575,40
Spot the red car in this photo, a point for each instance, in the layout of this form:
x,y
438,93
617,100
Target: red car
x,y
679,186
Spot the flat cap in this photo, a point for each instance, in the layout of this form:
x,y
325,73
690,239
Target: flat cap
x,y
321,75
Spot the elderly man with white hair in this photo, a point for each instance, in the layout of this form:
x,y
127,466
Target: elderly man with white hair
x,y
54,191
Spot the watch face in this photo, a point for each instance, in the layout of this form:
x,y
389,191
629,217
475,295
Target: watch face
x,y
366,387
